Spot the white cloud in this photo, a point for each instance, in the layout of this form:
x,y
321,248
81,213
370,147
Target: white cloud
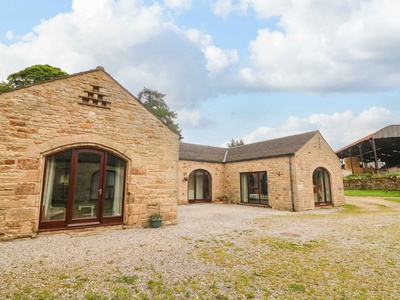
x,y
9,35
339,129
322,46
218,59
178,4
223,8
137,43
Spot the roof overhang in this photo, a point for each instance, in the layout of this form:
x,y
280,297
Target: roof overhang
x,y
382,145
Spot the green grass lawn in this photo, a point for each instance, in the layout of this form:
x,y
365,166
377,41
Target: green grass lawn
x,y
373,193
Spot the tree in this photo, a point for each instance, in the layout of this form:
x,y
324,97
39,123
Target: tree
x,y
154,101
235,143
30,75
5,86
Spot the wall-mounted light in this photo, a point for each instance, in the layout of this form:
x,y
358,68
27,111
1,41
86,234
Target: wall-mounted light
x,y
185,179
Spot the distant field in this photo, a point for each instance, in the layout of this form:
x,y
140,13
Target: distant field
x,y
372,193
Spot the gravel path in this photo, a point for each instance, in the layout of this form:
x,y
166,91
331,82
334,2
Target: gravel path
x,y
215,252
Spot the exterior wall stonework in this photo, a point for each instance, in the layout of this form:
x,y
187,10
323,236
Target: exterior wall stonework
x,y
290,178
278,180
46,118
216,171
316,154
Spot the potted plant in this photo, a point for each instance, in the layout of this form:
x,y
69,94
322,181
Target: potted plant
x,y
155,220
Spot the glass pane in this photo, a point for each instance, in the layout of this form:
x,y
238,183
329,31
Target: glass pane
x,y
253,180
207,186
327,187
254,196
114,186
56,186
245,191
191,186
315,187
263,188
199,185
85,205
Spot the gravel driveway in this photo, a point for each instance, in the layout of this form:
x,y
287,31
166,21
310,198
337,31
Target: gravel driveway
x,y
218,252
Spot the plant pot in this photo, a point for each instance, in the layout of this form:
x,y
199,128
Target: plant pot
x,y
155,223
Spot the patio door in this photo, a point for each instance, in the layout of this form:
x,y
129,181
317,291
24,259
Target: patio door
x,y
199,186
82,187
86,204
322,187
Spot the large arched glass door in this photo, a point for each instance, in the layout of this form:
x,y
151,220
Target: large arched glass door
x,y
322,187
199,186
82,187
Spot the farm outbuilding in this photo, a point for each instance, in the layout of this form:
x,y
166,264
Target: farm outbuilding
x,y
294,173
378,152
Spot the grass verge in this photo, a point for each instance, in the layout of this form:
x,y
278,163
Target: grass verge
x,y
372,193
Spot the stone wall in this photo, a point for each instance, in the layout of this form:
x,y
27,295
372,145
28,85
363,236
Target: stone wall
x,y
376,183
46,118
278,175
316,154
216,171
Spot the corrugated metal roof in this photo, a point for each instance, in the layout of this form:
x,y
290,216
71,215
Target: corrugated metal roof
x,y
271,148
387,146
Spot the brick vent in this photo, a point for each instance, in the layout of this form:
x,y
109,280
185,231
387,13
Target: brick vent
x,y
95,98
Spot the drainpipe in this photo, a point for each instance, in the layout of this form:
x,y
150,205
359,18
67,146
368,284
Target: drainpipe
x,y
291,182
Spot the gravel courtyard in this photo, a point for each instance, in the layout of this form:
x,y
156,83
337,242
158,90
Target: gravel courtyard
x,y
218,252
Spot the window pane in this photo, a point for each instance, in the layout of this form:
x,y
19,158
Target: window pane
x,y
199,185
191,186
254,187
327,187
114,186
56,186
207,186
245,191
85,204
263,188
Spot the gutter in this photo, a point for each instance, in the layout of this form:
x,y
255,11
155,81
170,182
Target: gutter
x,y
291,183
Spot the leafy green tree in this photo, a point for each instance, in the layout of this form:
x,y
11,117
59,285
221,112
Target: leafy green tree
x,y
235,143
154,101
30,75
5,86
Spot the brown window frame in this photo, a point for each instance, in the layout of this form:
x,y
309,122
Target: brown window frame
x,y
99,219
258,198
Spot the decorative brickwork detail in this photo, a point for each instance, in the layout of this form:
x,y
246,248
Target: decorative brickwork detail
x,y
95,98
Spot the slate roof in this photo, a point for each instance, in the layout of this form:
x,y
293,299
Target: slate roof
x,y
271,148
201,153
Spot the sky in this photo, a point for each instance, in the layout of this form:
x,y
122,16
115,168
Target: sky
x,y
231,69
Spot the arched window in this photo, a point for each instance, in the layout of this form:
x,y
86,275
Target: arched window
x,y
199,186
322,187
82,187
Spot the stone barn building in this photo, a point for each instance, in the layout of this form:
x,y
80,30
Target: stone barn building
x,y
81,151
295,173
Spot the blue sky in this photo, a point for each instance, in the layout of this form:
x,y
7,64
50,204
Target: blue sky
x,y
243,69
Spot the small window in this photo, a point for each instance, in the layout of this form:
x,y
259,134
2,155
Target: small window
x,y
254,188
